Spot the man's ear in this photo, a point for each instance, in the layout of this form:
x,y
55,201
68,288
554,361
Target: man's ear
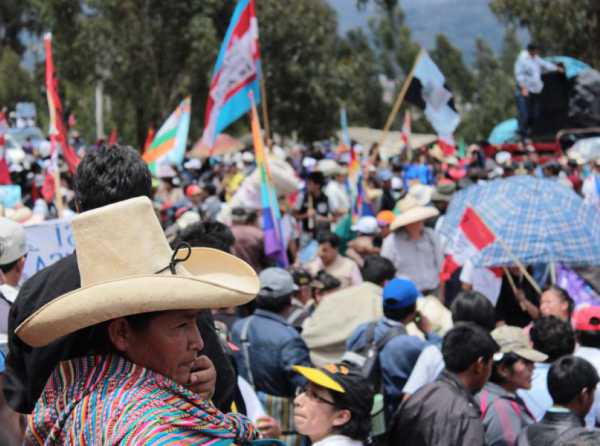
x,y
342,417
119,334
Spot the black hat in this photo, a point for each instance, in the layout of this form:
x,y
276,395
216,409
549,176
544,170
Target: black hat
x,y
350,389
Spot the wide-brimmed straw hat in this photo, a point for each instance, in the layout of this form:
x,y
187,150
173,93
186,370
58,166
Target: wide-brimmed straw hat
x,y
409,211
127,267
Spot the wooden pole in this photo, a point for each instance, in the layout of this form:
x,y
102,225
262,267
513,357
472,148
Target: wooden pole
x,y
513,257
399,100
265,110
58,199
522,268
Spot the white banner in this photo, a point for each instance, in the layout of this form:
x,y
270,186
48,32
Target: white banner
x,y
47,243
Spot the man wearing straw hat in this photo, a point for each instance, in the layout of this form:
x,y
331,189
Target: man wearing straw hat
x,y
104,176
130,384
414,249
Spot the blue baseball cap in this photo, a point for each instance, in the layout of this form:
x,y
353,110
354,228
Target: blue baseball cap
x,y
400,293
384,175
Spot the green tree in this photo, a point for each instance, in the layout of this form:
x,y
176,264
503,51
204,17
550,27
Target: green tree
x,y
300,67
450,61
361,91
16,17
493,100
16,84
570,27
150,53
510,50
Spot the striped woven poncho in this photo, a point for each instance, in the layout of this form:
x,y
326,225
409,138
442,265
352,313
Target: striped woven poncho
x,y
107,400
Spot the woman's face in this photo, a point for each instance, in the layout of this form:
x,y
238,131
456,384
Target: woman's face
x,y
551,304
315,415
519,375
168,345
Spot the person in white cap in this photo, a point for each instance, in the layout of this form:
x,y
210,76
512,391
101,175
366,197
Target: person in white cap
x,y
13,250
364,245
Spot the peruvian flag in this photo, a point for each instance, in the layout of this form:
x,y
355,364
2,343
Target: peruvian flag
x,y
58,131
406,130
472,237
447,145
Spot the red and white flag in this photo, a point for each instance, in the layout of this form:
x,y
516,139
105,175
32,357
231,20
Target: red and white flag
x,y
58,131
447,144
472,237
4,171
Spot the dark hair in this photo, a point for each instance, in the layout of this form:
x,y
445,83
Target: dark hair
x,y
209,188
328,237
9,266
588,338
568,376
111,174
508,360
99,339
472,306
464,344
316,177
377,269
399,314
564,296
553,337
208,234
358,428
273,304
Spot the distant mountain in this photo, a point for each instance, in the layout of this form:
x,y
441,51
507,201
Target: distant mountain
x,y
462,21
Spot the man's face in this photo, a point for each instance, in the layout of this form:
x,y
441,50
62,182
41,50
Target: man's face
x,y
327,253
168,345
313,187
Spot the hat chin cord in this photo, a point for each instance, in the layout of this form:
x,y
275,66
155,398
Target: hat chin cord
x,y
175,260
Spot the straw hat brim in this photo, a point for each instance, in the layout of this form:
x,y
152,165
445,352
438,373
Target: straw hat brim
x,y
414,215
200,284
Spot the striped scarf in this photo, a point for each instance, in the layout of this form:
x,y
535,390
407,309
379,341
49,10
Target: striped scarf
x,y
107,400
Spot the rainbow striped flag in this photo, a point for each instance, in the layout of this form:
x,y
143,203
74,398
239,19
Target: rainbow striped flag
x,y
271,216
168,145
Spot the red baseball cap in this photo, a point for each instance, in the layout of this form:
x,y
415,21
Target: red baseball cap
x,y
587,319
192,190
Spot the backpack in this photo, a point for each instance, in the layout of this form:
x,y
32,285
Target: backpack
x,y
366,358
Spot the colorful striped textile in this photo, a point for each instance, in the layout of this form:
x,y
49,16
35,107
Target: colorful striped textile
x,y
107,400
168,145
271,214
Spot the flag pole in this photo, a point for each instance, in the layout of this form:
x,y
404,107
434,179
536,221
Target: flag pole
x,y
513,257
399,101
265,109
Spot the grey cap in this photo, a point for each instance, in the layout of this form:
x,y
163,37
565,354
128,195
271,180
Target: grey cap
x,y
276,282
13,241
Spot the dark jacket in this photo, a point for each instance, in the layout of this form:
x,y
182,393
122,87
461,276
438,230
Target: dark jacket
x,y
28,369
443,413
274,346
555,427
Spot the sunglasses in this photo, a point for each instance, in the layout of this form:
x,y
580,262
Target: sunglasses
x,y
311,394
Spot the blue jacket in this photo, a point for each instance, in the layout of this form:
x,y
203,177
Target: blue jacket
x,y
397,358
274,347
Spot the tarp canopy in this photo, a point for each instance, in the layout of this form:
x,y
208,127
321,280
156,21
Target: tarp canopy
x,y
393,143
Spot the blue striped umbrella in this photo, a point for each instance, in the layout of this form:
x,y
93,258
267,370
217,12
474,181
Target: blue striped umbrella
x,y
539,220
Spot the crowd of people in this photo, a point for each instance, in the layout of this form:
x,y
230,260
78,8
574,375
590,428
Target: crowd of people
x,y
170,324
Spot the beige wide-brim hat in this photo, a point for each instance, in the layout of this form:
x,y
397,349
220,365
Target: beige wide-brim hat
x,y
127,267
409,211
